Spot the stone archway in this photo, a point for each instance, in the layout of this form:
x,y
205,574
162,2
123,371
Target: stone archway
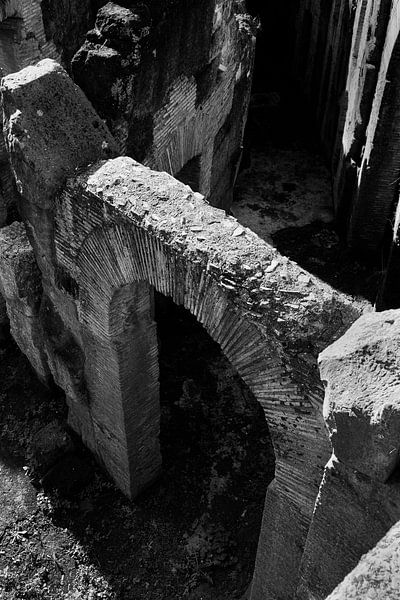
x,y
118,227
131,228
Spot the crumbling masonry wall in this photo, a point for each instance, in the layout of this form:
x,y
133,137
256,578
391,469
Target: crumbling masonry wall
x,y
173,83
109,236
79,292
22,42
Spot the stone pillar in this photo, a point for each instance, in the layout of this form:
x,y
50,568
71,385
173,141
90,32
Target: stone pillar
x,y
359,499
280,548
122,374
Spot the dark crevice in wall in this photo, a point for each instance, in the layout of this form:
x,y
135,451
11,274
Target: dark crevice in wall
x,y
10,38
66,23
190,173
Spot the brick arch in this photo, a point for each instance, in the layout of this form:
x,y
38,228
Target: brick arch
x,y
122,230
118,266
118,255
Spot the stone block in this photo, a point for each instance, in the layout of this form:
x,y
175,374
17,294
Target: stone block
x,y
352,513
362,402
51,129
49,121
377,575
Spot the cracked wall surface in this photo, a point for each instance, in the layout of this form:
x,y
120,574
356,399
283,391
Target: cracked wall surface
x,y
173,87
116,232
105,231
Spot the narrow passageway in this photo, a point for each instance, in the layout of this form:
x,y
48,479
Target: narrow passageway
x,y
284,189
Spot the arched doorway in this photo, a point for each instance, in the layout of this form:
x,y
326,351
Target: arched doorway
x,y
216,449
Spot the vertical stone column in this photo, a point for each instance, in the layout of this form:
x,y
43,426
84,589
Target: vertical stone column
x,y
359,499
122,374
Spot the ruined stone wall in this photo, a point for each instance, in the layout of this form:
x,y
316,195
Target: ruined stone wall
x,y
23,41
102,243
347,58
174,87
359,498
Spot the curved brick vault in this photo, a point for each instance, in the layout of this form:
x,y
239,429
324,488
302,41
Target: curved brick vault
x,y
103,240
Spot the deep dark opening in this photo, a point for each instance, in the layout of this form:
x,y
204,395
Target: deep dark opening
x,y
10,39
284,190
216,449
194,533
190,173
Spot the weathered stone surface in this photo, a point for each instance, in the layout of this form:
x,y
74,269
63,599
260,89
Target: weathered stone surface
x,y
121,228
20,285
39,135
173,83
362,403
46,145
377,575
351,515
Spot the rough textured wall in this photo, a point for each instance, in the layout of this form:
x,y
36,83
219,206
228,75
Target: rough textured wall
x,y
66,23
120,224
20,285
23,42
173,85
375,199
377,575
359,498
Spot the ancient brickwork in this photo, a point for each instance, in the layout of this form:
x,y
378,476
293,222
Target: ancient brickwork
x,y
120,228
359,498
164,106
22,37
378,571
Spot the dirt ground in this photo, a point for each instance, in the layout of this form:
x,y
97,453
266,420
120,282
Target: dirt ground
x,y
67,533
284,194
